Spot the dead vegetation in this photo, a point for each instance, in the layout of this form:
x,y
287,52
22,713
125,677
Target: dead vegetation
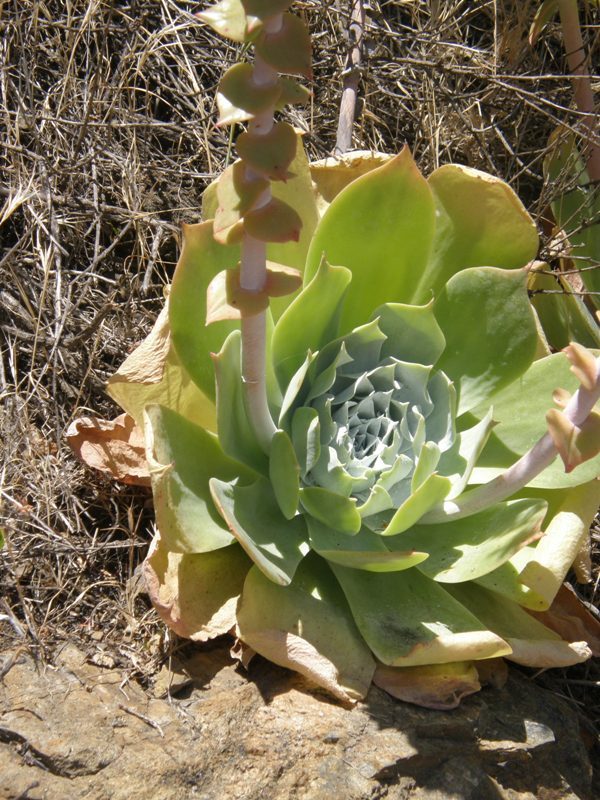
x,y
108,116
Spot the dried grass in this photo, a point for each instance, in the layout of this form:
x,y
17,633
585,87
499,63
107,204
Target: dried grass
x,y
108,113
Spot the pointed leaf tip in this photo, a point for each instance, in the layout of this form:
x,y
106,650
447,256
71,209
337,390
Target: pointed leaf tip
x,y
575,444
583,365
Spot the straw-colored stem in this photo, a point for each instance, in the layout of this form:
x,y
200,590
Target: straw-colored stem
x,y
580,67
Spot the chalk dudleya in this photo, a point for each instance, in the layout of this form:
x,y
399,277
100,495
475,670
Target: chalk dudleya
x,y
347,406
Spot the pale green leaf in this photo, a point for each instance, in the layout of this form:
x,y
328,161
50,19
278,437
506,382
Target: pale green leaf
x,y
182,457
365,550
408,619
380,227
520,410
490,331
235,432
468,548
532,644
307,627
413,333
320,302
506,582
275,544
201,259
335,510
480,222
431,492
284,474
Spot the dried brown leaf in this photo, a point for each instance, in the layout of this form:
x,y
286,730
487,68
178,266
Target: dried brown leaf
x,y
115,447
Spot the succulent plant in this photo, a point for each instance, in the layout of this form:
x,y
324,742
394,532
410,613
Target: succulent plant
x,y
371,489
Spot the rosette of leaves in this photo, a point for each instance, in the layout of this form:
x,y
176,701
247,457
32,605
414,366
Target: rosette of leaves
x,y
407,373
398,508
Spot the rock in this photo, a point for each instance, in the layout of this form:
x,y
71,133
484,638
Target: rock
x,y
78,731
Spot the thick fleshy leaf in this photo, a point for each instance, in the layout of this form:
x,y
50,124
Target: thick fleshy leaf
x,y
331,175
196,594
154,373
549,562
468,548
480,222
437,686
115,447
381,224
287,50
306,437
331,509
229,19
320,302
235,433
571,618
490,331
413,333
365,550
284,474
505,581
236,194
307,627
201,259
271,153
576,444
532,644
409,620
431,492
274,543
458,462
583,365
185,514
239,98
276,221
520,410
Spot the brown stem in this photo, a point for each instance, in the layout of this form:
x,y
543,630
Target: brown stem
x,y
579,66
351,79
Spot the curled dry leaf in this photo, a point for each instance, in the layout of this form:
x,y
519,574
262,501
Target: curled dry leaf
x,y
438,686
571,619
114,446
242,652
295,653
195,593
